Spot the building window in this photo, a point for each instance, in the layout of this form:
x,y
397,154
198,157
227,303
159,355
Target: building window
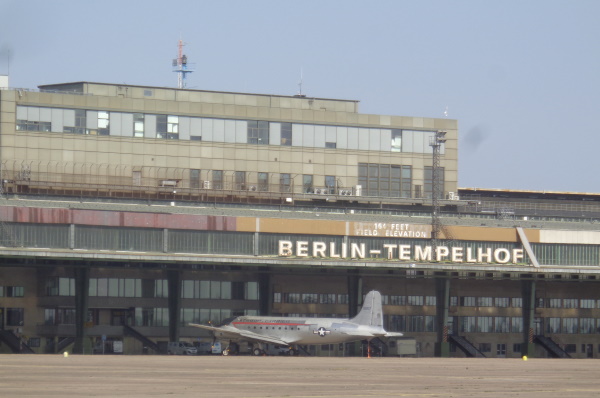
x,y
516,324
258,132
240,180
161,288
587,325
30,125
310,298
570,303
252,292
430,300
115,287
501,302
194,178
517,348
167,127
330,184
501,350
342,299
286,134
415,300
430,323
467,324
406,181
15,316
396,140
138,125
217,179
501,324
428,182
484,301
516,302
484,324
485,347
60,287
398,300
327,298
468,301
554,303
80,123
385,180
103,123
263,182
13,291
416,323
285,182
307,183
331,145
570,325
587,303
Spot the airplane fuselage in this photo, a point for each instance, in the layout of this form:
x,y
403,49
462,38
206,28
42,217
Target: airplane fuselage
x,y
303,330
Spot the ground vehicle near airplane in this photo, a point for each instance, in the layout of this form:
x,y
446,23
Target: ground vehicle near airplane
x,y
293,332
181,348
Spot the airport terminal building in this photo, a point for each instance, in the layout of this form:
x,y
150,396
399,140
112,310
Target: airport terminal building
x,y
127,212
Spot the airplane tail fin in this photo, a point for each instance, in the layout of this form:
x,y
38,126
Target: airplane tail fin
x,y
371,313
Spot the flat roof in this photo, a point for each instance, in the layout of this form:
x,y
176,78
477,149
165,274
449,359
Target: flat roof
x,y
48,86
522,191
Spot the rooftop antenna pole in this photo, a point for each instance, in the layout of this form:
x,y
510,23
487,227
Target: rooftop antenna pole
x,y
300,84
181,66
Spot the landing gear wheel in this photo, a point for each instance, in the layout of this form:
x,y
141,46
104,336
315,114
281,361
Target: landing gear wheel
x,y
257,352
225,352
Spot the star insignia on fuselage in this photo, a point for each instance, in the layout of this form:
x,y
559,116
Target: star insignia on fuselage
x,y
322,331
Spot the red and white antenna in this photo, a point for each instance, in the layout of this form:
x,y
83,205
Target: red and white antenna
x,y
181,66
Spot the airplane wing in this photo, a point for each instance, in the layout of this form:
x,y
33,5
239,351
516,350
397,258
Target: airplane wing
x,y
359,334
393,334
229,332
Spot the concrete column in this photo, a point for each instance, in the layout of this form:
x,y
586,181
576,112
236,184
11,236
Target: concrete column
x,y
528,294
354,293
442,292
82,288
72,236
174,283
354,303
265,293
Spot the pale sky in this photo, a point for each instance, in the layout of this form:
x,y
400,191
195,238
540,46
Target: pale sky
x,y
521,77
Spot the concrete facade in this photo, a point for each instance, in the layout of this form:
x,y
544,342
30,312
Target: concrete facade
x,y
129,211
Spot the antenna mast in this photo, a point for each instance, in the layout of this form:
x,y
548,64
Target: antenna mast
x,y
181,66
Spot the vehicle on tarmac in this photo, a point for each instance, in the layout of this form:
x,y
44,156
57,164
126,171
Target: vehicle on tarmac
x,y
294,332
181,348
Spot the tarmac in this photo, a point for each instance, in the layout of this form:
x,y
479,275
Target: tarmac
x,y
216,376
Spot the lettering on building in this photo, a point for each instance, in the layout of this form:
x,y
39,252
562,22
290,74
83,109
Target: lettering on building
x,y
400,252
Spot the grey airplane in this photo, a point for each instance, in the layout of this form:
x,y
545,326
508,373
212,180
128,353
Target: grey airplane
x,y
293,332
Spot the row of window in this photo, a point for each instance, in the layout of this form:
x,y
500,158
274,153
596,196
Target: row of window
x,y
310,298
257,132
155,288
12,291
472,301
134,317
572,325
391,181
402,323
